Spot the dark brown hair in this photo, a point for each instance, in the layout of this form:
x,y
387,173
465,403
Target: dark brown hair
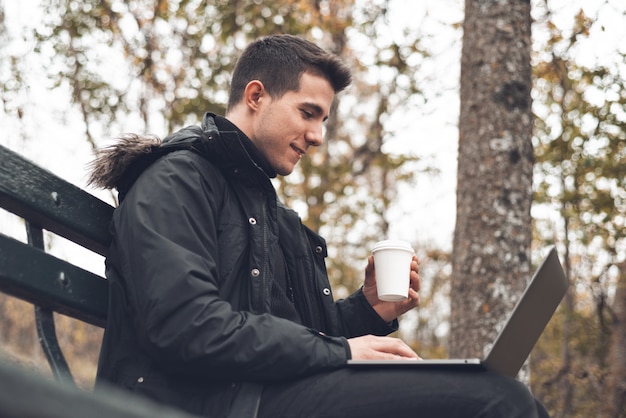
x,y
278,62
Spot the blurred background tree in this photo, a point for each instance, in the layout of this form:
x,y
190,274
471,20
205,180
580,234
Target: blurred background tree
x,y
580,205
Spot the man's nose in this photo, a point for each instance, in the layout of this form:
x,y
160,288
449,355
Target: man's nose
x,y
315,136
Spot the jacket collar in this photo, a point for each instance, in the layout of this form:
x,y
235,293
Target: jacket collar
x,y
232,135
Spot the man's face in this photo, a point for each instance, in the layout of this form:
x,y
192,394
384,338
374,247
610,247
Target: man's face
x,y
286,127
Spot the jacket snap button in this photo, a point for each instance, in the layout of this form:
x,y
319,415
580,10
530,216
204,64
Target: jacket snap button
x,y
255,272
252,221
326,291
140,380
318,249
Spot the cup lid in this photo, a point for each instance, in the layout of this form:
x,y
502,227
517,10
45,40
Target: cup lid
x,y
392,244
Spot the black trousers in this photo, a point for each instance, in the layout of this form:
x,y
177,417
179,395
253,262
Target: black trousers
x,y
399,393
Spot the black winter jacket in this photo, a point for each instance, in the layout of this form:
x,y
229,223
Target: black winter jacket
x,y
195,241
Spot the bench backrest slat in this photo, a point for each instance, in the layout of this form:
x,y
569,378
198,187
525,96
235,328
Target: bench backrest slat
x,y
44,280
56,205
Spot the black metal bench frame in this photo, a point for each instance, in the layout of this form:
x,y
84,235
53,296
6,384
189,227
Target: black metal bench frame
x,y
46,202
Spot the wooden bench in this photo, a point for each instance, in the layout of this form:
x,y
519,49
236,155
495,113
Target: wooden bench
x,y
46,202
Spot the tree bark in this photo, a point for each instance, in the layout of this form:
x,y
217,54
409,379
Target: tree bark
x,y
615,386
491,254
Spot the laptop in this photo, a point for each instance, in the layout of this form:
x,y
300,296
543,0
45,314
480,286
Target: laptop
x,y
520,333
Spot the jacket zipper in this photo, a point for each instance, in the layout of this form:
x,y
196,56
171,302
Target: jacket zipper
x,y
264,280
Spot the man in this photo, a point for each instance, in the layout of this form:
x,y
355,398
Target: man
x,y
219,299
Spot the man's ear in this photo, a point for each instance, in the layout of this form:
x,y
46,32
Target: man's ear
x,y
253,93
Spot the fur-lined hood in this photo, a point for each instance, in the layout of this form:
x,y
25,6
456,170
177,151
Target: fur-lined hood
x,y
113,161
118,165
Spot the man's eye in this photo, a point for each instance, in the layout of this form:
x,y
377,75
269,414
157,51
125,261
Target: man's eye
x,y
306,114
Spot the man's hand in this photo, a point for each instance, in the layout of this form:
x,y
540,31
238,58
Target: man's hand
x,y
389,311
371,347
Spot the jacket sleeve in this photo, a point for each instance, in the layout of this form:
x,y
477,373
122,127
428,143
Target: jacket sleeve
x,y
166,233
357,317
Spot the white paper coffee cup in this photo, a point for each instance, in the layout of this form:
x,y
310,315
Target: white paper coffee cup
x,y
392,261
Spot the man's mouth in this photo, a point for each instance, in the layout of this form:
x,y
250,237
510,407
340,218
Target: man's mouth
x,y
298,150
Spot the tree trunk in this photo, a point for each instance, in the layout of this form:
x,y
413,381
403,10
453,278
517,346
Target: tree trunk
x,y
615,386
491,261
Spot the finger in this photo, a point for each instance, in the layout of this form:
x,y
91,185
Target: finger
x,y
415,281
370,272
414,298
398,347
415,265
